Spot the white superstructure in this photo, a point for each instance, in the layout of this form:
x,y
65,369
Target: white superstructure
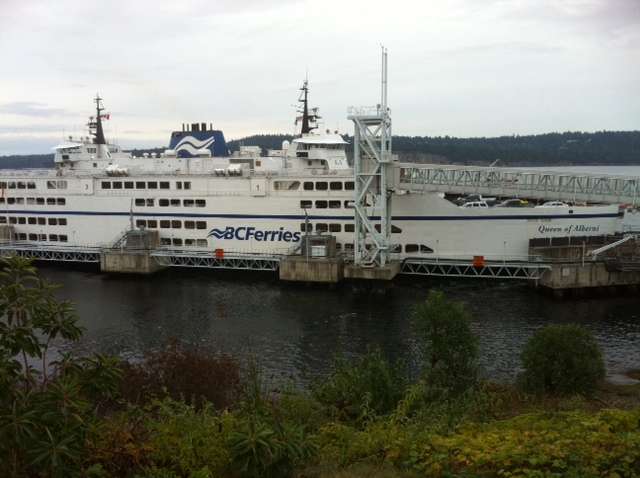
x,y
248,202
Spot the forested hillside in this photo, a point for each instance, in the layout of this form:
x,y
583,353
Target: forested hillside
x,y
605,147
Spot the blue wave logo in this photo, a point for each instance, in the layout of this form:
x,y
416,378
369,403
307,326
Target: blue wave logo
x,y
245,233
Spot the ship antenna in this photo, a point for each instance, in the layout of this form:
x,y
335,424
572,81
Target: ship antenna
x,y
306,128
99,134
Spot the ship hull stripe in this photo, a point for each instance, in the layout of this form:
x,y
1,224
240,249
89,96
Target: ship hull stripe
x,y
299,217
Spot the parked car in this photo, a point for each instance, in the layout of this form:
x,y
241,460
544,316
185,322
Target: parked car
x,y
554,204
480,204
513,203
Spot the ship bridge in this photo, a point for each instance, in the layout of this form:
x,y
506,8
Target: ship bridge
x,y
523,183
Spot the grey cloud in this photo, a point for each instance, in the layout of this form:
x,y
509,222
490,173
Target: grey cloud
x,y
29,108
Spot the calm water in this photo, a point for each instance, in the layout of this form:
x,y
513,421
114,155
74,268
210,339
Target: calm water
x,y
296,330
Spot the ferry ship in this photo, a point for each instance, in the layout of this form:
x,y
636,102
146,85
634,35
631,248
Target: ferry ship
x,y
199,196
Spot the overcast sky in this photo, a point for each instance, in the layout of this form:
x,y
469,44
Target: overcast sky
x,y
456,67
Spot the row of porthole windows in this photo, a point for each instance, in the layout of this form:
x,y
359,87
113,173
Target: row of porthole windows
x,y
144,185
322,204
331,185
21,236
39,221
176,241
38,201
333,227
170,224
173,202
395,249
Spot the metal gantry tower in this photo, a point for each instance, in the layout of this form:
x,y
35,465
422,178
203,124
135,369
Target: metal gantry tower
x,y
373,171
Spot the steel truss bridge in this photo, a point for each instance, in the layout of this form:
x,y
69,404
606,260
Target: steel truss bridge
x,y
531,184
436,267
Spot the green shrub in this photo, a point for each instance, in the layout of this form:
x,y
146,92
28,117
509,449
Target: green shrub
x,y
563,359
367,387
450,349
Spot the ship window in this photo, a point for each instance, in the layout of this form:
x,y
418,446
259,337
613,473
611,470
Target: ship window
x,y
95,165
32,220
31,185
189,242
178,184
40,201
42,221
13,185
164,224
335,186
349,204
164,184
21,185
42,237
335,228
65,156
349,186
11,200
140,202
50,185
175,202
141,223
306,204
62,221
1,200
165,241
396,249
177,241
53,221
33,237
349,228
303,227
334,204
287,185
61,184
348,247
308,186
22,220
411,248
321,204
3,185
395,229
53,237
163,202
176,224
61,201
29,200
22,236
338,246
150,202
128,184
19,200
201,224
309,162
62,238
3,220
117,185
106,185
51,201
152,185
321,227
188,203
187,184
189,224
425,249
152,224
201,203
12,220
321,186
201,242
140,185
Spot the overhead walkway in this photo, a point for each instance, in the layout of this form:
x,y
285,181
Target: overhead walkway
x,y
531,184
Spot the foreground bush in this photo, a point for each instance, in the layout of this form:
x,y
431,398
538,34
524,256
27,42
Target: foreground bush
x,y
195,376
563,359
450,349
368,386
